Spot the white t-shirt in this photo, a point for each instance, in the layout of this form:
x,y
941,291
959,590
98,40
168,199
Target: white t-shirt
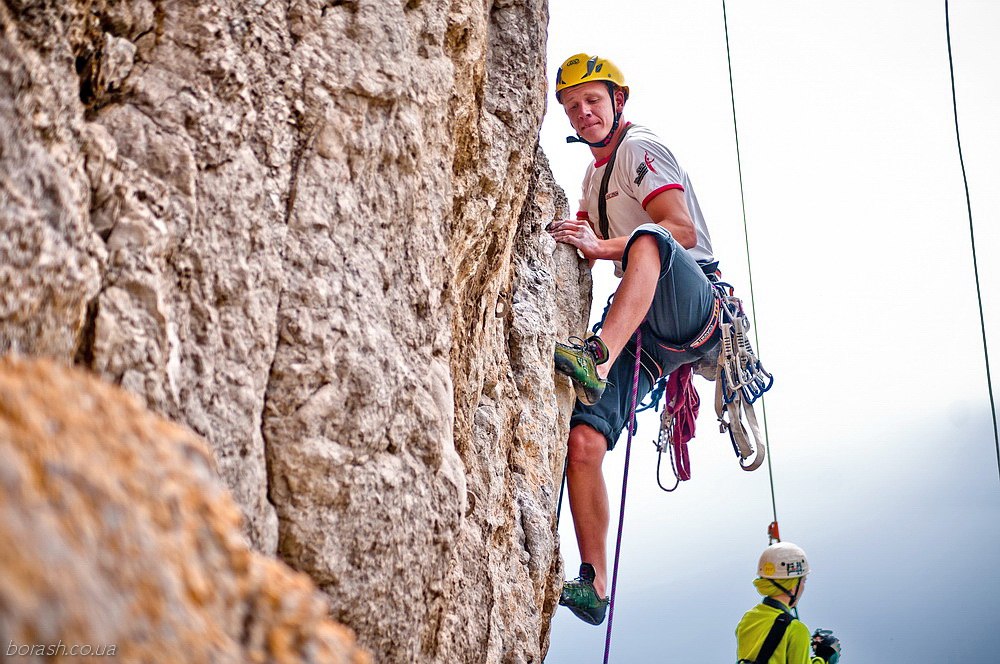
x,y
644,168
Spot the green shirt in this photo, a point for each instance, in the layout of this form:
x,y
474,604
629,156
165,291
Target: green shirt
x,y
753,629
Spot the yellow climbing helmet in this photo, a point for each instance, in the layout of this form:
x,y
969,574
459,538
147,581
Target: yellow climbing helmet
x,y
583,68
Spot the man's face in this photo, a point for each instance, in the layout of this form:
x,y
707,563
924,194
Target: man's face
x,y
589,109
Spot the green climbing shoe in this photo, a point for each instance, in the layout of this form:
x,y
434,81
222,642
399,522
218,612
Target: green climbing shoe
x,y
579,362
580,597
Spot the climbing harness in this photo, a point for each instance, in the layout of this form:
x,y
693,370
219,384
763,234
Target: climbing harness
x,y
632,425
741,380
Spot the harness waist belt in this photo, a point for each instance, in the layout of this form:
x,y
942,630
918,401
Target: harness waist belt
x,y
710,331
710,268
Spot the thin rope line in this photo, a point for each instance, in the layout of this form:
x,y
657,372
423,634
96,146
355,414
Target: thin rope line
x,y
746,238
562,490
632,426
972,234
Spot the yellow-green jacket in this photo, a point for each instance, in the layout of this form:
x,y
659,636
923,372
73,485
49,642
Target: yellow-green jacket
x,y
753,629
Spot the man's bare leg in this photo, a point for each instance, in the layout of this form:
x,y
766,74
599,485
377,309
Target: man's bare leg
x,y
588,494
588,499
632,299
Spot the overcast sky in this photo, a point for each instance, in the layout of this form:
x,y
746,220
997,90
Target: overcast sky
x,y
885,468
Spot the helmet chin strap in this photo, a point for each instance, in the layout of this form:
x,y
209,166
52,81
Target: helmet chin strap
x,y
601,143
792,594
607,139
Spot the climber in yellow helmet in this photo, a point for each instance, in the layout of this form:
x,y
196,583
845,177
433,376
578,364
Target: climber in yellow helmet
x,y
769,633
639,210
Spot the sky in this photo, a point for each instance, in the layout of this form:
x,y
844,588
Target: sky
x,y
882,451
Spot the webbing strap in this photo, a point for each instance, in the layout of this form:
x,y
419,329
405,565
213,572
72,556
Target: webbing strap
x,y
683,411
706,334
736,409
602,194
773,638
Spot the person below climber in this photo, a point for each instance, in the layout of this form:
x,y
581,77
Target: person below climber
x,y
651,226
769,633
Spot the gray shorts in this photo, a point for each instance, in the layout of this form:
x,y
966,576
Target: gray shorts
x,y
682,312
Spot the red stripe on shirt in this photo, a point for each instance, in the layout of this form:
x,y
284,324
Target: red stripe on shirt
x,y
656,192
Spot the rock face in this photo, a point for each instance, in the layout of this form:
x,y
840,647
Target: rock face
x,y
120,538
311,231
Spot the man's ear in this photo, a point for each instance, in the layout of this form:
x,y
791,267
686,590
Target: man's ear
x,y
619,101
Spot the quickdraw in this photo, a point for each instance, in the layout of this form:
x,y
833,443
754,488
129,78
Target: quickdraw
x,y
664,444
741,380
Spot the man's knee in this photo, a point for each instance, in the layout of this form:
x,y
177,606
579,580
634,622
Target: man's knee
x,y
587,446
643,251
644,246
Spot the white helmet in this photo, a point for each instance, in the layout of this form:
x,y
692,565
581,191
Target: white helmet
x,y
782,560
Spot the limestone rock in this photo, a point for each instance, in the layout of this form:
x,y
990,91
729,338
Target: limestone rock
x,y
51,261
312,232
507,555
120,538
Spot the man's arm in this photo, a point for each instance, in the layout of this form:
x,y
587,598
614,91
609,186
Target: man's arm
x,y
669,209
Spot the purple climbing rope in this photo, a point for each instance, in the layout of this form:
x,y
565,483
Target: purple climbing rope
x,y
632,425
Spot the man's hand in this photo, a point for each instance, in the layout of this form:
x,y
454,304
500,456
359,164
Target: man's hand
x,y
578,233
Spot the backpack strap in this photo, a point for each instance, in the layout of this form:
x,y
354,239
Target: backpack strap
x,y
602,202
774,636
